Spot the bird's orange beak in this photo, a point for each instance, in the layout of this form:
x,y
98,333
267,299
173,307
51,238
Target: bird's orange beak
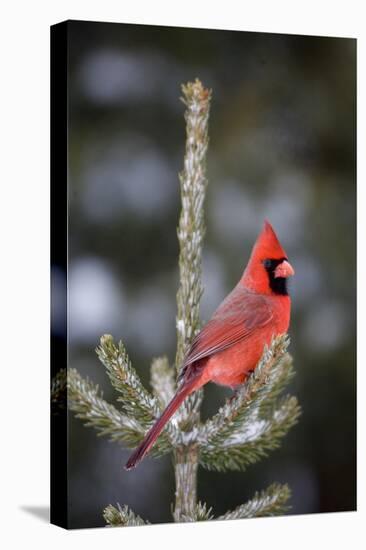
x,y
284,269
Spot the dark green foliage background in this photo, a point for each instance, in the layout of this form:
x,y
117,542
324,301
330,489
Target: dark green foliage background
x,y
282,146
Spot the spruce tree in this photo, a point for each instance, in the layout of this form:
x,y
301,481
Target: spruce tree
x,y
244,430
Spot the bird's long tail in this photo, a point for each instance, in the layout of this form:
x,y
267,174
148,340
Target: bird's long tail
x,y
157,428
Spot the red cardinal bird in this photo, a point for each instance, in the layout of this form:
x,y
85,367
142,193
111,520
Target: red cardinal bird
x,y
229,346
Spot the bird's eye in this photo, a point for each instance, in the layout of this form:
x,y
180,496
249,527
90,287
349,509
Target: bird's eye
x,y
267,263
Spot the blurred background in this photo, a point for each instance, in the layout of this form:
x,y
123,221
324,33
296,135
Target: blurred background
x,y
282,146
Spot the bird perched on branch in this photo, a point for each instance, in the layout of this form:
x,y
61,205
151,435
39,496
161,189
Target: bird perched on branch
x,y
229,346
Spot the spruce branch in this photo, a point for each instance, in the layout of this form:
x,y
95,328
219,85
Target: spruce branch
x,y
122,516
270,502
190,232
85,399
136,401
254,442
200,513
254,420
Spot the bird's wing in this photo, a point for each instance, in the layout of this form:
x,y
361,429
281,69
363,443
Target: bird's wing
x,y
236,318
